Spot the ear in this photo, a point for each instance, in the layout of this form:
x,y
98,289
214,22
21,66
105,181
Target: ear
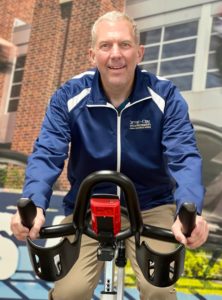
x,y
141,50
92,57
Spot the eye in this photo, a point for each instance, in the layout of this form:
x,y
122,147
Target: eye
x,y
125,45
104,46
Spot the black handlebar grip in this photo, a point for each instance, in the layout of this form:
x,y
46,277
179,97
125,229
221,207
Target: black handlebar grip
x,y
187,215
27,211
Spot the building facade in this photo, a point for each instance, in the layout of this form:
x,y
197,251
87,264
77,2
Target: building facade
x,y
53,38
181,40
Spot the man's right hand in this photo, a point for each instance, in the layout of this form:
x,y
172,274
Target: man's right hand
x,y
21,232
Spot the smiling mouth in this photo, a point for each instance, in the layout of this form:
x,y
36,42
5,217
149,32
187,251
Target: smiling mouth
x,y
116,67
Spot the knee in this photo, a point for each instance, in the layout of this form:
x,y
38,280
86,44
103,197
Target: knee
x,y
150,292
72,292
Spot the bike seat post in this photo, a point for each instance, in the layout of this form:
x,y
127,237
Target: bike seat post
x,y
109,293
120,263
120,283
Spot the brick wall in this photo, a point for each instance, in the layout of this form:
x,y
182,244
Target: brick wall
x,y
58,50
40,71
9,10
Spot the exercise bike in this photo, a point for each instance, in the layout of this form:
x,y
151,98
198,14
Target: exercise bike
x,y
104,211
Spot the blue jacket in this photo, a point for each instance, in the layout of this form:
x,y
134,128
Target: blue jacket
x,y
151,141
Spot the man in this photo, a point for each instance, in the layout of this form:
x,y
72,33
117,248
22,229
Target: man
x,y
117,117
7,55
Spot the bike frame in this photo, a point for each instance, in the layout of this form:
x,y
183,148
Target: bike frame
x,y
54,263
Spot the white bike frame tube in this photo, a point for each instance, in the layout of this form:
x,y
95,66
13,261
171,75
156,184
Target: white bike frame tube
x,y
109,276
108,297
109,281
120,282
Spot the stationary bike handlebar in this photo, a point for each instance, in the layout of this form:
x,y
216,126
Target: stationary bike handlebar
x,y
187,212
79,226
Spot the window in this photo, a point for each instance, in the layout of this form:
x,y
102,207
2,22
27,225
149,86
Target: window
x,y
16,84
214,68
21,35
170,52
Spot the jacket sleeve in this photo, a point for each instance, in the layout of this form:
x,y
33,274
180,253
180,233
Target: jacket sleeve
x,y
50,151
180,150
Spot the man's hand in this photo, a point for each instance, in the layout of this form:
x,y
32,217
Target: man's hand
x,y
198,236
21,232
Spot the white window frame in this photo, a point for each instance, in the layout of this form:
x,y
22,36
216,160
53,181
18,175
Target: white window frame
x,y
161,43
22,43
204,14
202,49
204,103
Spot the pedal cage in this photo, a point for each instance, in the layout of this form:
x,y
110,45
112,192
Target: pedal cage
x,y
53,263
160,269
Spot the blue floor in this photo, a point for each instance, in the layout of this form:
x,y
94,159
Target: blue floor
x,y
132,294
181,296
36,291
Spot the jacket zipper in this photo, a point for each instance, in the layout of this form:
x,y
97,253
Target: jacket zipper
x,y
118,165
118,142
118,150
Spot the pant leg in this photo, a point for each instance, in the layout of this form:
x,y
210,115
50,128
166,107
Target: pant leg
x,y
84,276
162,216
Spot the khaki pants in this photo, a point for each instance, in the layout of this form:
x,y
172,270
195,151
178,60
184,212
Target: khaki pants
x,y
83,278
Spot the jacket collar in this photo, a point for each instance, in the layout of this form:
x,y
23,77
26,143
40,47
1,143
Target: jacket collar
x,y
140,89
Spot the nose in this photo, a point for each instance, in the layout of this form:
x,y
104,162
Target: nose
x,y
115,51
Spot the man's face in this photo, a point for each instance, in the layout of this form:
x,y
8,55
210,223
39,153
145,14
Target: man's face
x,y
116,53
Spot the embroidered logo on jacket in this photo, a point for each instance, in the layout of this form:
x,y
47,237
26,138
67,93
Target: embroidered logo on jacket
x,y
140,124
